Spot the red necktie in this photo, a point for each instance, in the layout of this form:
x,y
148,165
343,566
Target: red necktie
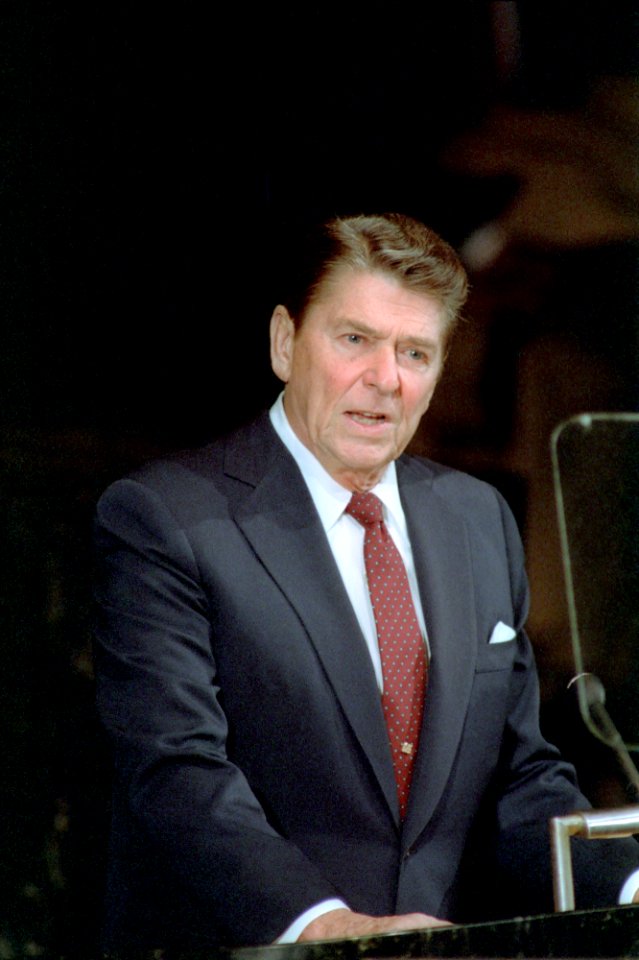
x,y
401,644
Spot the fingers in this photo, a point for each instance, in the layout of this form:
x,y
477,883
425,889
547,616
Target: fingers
x,y
342,924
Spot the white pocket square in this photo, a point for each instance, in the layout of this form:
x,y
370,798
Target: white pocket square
x,y
502,633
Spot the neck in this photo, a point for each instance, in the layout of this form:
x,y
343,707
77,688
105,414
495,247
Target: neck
x,y
358,482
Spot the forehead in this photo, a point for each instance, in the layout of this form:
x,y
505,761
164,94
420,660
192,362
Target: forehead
x,y
374,297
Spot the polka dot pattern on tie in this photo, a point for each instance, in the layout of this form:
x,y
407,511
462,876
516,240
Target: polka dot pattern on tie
x,y
401,645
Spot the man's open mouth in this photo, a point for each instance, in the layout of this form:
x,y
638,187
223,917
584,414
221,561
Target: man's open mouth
x,y
367,418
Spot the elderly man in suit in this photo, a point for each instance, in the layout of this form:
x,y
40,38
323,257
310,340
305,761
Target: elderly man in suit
x,y
311,651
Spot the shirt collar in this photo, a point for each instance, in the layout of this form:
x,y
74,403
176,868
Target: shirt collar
x,y
329,496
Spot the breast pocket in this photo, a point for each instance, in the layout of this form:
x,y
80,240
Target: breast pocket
x,y
496,656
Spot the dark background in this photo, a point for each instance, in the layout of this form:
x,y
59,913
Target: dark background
x,y
155,165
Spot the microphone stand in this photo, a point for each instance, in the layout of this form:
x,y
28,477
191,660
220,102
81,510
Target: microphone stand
x,y
592,824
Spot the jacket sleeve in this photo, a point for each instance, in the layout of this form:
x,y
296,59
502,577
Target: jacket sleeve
x,y
191,844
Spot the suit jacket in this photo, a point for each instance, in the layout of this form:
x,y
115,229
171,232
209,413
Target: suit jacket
x,y
253,776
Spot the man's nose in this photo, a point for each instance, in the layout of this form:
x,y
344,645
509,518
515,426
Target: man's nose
x,y
382,371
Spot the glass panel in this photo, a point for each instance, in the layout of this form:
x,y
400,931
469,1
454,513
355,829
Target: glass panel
x,y
596,472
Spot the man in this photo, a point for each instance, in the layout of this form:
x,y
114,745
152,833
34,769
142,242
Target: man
x,y
289,762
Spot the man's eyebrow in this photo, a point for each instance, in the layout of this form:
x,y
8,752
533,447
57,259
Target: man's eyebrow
x,y
359,326
424,342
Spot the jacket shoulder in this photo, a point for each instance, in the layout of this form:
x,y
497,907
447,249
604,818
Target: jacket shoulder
x,y
190,482
460,490
481,506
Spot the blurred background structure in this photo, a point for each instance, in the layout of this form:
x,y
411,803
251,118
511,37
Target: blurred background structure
x,y
156,163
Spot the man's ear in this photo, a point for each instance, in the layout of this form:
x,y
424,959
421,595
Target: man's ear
x,y
282,342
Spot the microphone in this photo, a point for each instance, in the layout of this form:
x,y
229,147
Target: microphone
x,y
592,693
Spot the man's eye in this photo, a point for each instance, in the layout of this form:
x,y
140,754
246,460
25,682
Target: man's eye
x,y
418,355
353,338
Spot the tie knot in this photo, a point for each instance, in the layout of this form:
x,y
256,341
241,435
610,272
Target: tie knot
x,y
366,508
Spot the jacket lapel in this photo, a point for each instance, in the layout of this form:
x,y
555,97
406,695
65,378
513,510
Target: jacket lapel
x,y
441,553
278,518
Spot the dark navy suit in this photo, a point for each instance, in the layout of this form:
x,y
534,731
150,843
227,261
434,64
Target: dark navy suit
x,y
253,772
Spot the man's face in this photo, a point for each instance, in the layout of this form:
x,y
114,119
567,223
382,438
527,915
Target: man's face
x,y
360,372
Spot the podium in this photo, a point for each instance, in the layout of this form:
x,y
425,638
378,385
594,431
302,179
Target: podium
x,y
600,933
587,933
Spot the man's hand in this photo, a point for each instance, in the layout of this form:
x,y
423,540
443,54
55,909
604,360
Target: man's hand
x,y
342,924
635,899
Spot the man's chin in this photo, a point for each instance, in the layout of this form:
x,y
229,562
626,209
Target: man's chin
x,y
363,473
